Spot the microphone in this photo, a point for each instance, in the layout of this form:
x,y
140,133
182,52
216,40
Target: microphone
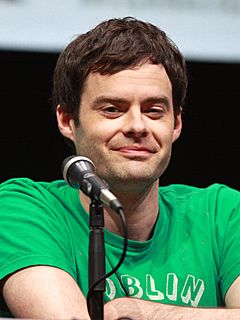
x,y
78,172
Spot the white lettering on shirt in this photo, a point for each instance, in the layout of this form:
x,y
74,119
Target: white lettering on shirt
x,y
190,293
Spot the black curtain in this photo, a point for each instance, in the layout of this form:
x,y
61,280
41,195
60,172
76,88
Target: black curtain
x,y
31,146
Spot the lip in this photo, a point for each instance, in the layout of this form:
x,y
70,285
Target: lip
x,y
135,151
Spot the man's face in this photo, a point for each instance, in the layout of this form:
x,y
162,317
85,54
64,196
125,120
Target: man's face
x,y
127,125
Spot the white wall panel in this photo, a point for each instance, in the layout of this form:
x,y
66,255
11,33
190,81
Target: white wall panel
x,y
203,29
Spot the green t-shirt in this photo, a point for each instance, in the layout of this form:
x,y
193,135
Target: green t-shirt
x,y
191,260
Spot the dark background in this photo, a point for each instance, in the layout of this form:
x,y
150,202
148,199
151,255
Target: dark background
x,y
31,146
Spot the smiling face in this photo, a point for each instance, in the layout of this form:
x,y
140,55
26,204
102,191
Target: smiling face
x,y
127,125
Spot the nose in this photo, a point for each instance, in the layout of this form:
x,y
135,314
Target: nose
x,y
135,124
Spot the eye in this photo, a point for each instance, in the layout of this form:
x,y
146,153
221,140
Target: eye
x,y
111,111
155,112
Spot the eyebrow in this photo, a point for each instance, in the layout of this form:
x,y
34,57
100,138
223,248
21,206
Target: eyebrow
x,y
158,99
110,99
103,99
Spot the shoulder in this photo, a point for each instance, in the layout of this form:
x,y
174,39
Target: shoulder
x,y
19,183
24,195
216,191
217,198
27,186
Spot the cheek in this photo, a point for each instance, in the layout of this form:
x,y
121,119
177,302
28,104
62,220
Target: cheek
x,y
105,131
93,134
163,134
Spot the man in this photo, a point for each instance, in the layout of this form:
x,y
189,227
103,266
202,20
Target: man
x,y
119,91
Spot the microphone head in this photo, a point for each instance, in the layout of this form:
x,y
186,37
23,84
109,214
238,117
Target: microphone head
x,y
79,173
84,163
65,161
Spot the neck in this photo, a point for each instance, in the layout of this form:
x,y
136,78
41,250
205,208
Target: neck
x,y
141,211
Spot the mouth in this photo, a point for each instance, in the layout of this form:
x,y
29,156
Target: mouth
x,y
132,151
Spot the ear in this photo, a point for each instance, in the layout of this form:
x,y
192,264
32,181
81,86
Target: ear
x,y
177,126
65,123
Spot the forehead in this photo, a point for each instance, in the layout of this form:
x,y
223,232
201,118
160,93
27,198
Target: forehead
x,y
145,79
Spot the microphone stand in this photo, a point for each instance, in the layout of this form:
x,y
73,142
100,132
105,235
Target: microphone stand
x,y
96,260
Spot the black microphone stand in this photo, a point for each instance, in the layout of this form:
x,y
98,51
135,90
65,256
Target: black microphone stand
x,y
96,261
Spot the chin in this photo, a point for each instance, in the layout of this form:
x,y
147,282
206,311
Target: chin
x,y
131,180
131,173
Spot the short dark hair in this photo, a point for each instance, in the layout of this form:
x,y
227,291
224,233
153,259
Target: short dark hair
x,y
110,47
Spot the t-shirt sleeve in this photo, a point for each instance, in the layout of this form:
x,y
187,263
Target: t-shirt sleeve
x,y
31,230
227,228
